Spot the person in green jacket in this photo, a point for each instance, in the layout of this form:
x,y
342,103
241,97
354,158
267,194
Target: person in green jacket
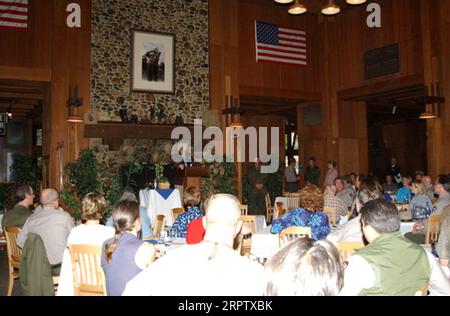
x,y
391,265
17,216
312,172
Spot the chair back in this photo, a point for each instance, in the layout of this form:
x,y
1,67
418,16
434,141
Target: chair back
x,y
281,210
293,202
14,252
331,212
423,291
269,209
2,241
292,233
175,212
86,265
433,227
250,221
244,209
160,223
347,249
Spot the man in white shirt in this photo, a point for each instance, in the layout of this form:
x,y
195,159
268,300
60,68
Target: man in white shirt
x,y
391,264
51,224
211,268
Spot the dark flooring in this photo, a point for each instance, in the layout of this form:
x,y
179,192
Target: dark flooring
x,y
4,276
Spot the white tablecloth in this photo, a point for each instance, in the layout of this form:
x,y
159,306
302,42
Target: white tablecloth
x,y
260,223
406,227
155,204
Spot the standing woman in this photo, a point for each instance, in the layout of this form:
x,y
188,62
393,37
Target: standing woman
x,y
332,174
125,256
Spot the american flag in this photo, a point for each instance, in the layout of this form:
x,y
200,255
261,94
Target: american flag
x,y
280,45
13,14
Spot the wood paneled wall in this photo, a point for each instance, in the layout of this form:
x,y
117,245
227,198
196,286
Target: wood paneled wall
x,y
50,51
422,29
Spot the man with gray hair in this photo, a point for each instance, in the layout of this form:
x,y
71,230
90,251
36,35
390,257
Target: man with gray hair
x,y
52,224
210,268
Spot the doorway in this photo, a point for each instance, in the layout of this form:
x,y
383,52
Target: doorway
x,y
23,104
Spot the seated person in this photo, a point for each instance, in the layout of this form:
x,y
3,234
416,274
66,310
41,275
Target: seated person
x,y
125,256
331,201
443,245
345,191
351,231
210,268
191,201
390,187
404,193
52,225
317,267
390,265
426,180
442,189
196,231
421,203
146,224
17,216
311,215
90,233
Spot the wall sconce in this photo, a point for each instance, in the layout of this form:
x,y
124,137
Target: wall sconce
x,y
73,103
432,103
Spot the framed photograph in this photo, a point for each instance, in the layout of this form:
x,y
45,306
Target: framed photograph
x,y
153,62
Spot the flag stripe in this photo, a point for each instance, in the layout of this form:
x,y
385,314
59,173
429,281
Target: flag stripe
x,y
6,19
6,25
291,44
282,48
281,55
17,3
286,61
13,8
283,29
293,38
13,16
13,12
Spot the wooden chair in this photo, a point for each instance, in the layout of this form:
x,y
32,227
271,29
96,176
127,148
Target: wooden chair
x,y
175,212
292,233
264,246
433,227
159,225
269,209
86,269
280,210
347,249
244,209
293,202
423,291
250,221
2,241
14,254
331,212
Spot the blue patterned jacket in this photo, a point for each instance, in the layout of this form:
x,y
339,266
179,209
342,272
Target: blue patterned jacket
x,y
299,217
181,224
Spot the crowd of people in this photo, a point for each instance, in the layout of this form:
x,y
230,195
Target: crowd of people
x,y
390,264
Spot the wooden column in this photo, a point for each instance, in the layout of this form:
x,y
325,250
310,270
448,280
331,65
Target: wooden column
x,y
224,61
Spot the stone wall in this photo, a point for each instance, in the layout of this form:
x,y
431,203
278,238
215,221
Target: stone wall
x,y
112,25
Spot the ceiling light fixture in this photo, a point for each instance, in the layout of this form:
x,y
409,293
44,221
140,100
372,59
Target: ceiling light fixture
x,y
297,8
356,2
331,8
284,1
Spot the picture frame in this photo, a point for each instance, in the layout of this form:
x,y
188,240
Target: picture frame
x,y
153,62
